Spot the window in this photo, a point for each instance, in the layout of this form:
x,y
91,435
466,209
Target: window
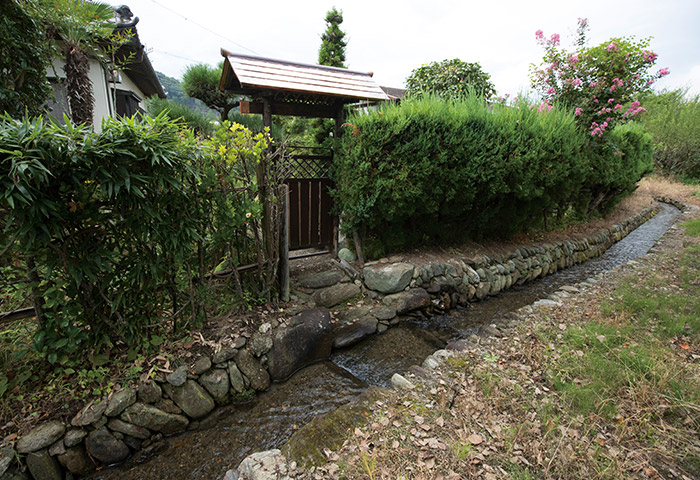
x,y
58,105
127,103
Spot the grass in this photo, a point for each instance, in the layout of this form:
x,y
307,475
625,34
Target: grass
x,y
692,227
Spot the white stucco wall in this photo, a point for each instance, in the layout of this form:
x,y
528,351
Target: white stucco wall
x,y
129,85
101,89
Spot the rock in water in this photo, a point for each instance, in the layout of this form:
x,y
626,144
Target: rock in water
x,y
307,338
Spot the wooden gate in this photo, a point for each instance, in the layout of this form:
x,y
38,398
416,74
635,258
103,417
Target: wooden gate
x,y
311,224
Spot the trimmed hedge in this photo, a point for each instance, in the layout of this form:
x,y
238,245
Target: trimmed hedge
x,y
432,171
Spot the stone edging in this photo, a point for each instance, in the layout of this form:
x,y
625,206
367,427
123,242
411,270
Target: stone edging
x,y
109,430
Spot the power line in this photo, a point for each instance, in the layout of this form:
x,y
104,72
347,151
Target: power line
x,y
203,27
157,50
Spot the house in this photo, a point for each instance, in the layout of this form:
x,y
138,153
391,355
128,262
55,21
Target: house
x,y
118,92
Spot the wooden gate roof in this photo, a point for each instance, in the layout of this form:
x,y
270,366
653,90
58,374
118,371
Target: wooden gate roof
x,y
258,76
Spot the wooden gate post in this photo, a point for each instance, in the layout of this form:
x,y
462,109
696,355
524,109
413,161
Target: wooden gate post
x,y
284,243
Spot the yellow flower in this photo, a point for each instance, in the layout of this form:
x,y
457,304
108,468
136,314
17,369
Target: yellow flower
x,y
236,126
222,150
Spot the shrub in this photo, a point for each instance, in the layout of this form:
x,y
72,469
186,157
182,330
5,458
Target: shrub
x,y
450,79
119,229
432,170
97,213
673,119
200,122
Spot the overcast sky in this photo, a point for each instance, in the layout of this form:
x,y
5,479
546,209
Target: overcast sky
x,y
391,38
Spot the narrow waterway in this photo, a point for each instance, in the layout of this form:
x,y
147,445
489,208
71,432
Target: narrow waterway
x,y
233,432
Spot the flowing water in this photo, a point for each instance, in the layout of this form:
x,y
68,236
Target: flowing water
x,y
233,432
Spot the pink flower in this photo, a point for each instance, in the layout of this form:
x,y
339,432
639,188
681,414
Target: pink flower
x,y
663,71
573,59
610,100
577,82
539,34
612,47
551,91
554,39
649,57
593,84
616,153
578,111
544,107
617,107
595,100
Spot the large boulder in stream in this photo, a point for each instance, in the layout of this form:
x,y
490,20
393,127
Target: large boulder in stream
x,y
307,338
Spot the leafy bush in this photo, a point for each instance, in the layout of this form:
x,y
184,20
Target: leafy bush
x,y
616,165
450,79
195,119
118,230
673,119
100,215
254,123
25,54
432,170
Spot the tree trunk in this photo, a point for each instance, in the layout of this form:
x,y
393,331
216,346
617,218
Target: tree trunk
x,y
78,85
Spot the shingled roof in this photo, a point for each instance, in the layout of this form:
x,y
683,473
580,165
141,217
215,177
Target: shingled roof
x,y
257,76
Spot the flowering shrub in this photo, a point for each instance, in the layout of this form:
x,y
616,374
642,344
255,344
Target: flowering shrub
x,y
602,84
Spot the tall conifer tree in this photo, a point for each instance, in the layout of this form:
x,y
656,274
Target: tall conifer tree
x,y
332,51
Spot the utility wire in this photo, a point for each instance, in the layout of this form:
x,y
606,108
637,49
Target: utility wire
x,y
157,50
203,27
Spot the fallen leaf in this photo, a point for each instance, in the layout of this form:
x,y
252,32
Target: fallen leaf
x,y
684,346
475,439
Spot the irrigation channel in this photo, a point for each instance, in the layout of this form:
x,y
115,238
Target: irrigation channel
x,y
233,432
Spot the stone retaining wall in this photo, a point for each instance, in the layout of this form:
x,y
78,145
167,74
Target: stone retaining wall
x,y
108,431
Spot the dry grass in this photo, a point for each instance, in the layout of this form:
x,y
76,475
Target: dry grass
x,y
655,185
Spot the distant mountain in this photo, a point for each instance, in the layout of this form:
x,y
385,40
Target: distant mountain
x,y
173,88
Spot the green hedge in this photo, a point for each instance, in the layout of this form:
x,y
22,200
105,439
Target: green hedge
x,y
432,171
